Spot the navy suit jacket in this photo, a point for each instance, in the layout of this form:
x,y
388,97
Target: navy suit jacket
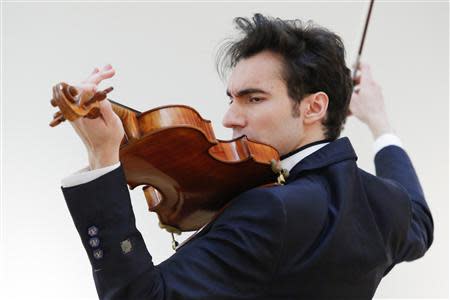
x,y
332,232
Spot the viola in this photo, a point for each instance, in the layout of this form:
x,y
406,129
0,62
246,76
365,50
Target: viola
x,y
187,174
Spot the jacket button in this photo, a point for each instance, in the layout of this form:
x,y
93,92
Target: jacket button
x,y
93,230
94,242
98,253
126,246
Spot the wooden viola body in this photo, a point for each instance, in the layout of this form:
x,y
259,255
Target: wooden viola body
x,y
186,173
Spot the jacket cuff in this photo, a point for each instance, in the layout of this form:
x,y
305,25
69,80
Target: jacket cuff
x,y
102,212
384,140
85,175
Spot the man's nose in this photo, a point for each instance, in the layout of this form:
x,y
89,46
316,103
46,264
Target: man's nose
x,y
234,117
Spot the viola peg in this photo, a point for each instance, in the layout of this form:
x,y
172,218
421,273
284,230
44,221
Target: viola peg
x,y
107,90
57,114
53,102
56,121
94,99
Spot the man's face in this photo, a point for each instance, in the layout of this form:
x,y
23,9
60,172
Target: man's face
x,y
260,107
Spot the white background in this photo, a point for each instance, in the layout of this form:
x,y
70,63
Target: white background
x,y
164,54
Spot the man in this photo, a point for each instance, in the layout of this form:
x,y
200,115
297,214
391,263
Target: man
x,y
331,232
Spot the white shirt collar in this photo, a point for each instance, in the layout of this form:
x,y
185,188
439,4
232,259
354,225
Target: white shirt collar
x,y
289,162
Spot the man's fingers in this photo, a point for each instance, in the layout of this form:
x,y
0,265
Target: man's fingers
x,y
96,70
107,67
88,79
105,73
366,73
86,86
86,91
357,80
100,74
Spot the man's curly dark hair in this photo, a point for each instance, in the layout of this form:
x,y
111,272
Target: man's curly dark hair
x,y
314,60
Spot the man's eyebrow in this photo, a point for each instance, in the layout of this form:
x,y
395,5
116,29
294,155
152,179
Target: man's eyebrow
x,y
248,91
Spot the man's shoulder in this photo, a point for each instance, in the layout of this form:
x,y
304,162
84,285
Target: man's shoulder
x,y
303,200
308,194
301,192
256,200
306,200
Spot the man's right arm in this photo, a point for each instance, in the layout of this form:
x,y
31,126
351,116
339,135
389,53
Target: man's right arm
x,y
393,163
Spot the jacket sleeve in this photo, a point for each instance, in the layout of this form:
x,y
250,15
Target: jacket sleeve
x,y
234,259
393,163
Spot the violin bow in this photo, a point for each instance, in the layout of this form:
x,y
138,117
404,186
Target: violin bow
x,y
361,45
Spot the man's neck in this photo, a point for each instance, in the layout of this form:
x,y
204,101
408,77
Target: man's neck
x,y
311,135
305,146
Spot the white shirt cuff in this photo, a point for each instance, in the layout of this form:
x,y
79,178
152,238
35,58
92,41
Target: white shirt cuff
x,y
86,175
384,140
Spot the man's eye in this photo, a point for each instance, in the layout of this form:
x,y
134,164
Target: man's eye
x,y
230,101
255,99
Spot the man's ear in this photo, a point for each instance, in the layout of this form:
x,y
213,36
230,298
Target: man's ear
x,y
314,107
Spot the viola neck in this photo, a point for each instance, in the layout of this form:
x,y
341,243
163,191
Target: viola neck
x,y
121,106
129,117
